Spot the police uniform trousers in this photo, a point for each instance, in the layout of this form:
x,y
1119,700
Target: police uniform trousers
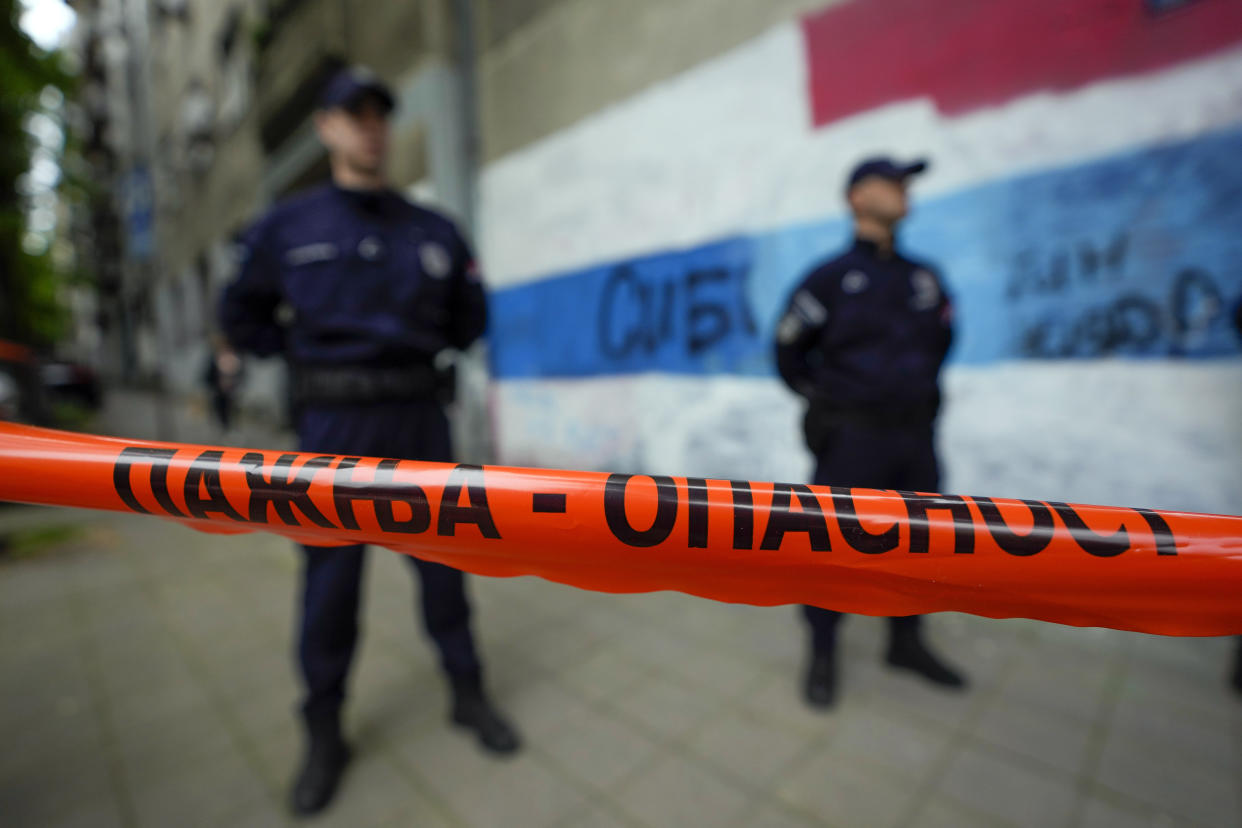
x,y
332,575
873,456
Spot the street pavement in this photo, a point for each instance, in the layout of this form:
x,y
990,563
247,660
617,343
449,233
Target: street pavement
x,y
147,679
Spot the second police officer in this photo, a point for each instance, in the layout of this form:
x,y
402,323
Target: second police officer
x,y
360,290
862,340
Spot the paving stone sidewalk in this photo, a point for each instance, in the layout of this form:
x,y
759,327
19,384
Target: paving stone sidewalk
x,y
146,678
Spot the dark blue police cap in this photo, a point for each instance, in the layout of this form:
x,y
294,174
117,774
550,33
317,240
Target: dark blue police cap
x,y
350,85
885,167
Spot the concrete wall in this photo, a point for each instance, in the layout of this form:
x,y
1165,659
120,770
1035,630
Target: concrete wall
x,y
546,64
643,219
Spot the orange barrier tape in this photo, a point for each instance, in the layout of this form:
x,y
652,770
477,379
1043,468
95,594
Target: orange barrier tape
x,y
855,550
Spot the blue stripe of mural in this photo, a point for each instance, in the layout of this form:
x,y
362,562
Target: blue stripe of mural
x,y
1136,255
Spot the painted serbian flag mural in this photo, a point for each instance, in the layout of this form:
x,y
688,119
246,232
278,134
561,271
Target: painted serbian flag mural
x,y
1084,204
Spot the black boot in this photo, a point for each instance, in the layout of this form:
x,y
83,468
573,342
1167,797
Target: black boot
x,y
820,689
325,760
473,710
906,651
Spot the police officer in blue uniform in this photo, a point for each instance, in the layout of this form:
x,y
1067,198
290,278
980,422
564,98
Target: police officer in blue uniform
x,y
360,291
862,340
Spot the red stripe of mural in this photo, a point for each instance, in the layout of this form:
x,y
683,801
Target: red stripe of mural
x,y
967,54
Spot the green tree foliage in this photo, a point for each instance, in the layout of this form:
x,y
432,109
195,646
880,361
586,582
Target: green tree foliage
x,y
29,306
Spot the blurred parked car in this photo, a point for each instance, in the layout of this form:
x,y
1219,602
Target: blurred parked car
x,y
33,388
71,382
19,387
10,396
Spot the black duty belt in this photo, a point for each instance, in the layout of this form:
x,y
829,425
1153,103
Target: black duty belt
x,y
824,417
920,412
345,384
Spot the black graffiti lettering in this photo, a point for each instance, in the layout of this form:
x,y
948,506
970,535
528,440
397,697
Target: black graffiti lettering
x,y
1115,256
619,522
159,459
203,492
782,519
852,529
1041,340
744,310
920,528
667,305
708,322
1022,275
1092,542
1092,261
1195,302
1095,332
620,278
743,515
1134,321
1044,272
476,510
1131,322
284,493
1033,542
1166,543
696,500
695,309
1057,278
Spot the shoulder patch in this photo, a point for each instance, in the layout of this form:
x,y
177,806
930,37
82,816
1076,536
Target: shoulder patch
x,y
855,281
806,313
435,259
789,329
371,249
926,290
309,253
809,308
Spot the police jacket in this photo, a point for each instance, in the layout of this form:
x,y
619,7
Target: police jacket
x,y
359,277
867,330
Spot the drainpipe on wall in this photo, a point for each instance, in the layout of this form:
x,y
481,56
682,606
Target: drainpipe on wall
x,y
466,58
475,422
